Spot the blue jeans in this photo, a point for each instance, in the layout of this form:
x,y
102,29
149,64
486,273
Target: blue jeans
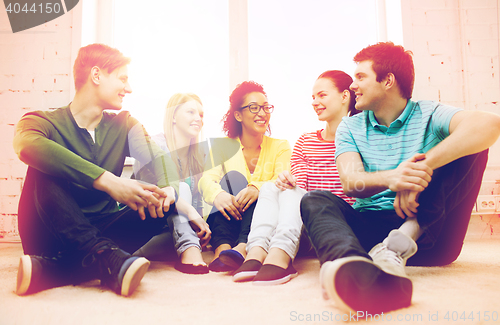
x,y
51,221
232,231
337,230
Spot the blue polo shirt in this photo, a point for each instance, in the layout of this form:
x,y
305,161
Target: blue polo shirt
x,y
420,127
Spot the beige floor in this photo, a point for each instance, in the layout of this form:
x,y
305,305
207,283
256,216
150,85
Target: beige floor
x,y
466,290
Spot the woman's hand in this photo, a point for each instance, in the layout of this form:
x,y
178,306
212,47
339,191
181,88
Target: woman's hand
x,y
285,181
202,229
195,220
247,196
226,202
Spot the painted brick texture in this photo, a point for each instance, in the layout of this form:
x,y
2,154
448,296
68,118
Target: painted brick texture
x,y
455,45
35,74
456,53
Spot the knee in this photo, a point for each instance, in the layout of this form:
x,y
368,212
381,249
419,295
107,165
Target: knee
x,y
268,188
233,182
308,201
313,198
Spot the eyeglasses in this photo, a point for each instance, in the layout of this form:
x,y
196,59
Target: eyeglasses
x,y
255,108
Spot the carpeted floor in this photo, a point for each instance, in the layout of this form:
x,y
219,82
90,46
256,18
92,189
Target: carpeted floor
x,y
465,292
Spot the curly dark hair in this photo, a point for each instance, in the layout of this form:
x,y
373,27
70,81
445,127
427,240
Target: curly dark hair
x,y
231,127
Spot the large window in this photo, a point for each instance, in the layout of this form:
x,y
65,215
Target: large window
x,y
175,46
183,46
292,42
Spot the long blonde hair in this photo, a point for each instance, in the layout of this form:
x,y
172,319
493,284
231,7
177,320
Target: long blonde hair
x,y
195,156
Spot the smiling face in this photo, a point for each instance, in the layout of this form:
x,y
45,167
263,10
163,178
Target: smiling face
x,y
188,119
369,92
253,123
113,87
328,102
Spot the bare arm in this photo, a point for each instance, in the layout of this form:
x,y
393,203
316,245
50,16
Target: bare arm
x,y
470,132
356,182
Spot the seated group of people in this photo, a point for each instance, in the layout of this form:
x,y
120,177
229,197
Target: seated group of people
x,y
384,176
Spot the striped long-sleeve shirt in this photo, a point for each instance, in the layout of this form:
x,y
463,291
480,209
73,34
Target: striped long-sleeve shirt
x,y
313,164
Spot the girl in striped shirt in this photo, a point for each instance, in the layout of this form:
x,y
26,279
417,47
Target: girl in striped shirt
x,y
276,225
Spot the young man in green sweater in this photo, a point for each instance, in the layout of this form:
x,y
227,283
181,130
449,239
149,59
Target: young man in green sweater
x,y
71,227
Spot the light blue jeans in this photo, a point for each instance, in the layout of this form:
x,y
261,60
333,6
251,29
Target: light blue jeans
x,y
182,232
276,220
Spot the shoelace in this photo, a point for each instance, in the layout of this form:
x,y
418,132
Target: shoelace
x,y
389,255
98,249
113,259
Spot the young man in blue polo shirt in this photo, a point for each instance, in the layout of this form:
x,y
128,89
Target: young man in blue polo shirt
x,y
415,169
70,224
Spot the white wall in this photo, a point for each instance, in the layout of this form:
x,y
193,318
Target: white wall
x,y
455,43
456,54
35,73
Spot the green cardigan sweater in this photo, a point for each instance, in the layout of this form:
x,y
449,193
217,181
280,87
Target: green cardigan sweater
x,y
52,142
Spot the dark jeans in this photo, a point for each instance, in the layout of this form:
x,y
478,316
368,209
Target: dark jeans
x,y
337,230
232,231
52,223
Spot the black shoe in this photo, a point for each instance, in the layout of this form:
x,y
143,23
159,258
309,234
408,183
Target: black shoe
x,y
37,273
218,266
120,271
247,271
191,269
232,257
271,274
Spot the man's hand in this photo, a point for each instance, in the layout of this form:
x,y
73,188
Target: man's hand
x,y
285,181
226,202
415,175
411,175
247,196
406,204
165,201
168,198
134,194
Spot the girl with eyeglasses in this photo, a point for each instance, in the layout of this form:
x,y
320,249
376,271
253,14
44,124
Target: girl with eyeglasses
x,y
182,126
276,226
233,185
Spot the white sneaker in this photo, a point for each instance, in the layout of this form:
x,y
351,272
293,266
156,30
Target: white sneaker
x,y
356,283
391,255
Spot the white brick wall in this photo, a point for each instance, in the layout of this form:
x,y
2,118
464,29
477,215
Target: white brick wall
x,y
456,53
35,72
446,37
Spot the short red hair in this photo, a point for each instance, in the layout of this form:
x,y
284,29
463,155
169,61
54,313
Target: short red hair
x,y
96,55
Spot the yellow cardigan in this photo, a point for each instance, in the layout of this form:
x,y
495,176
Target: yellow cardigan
x,y
274,158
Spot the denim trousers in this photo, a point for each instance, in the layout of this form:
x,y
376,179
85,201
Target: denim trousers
x,y
52,223
337,230
232,232
276,220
